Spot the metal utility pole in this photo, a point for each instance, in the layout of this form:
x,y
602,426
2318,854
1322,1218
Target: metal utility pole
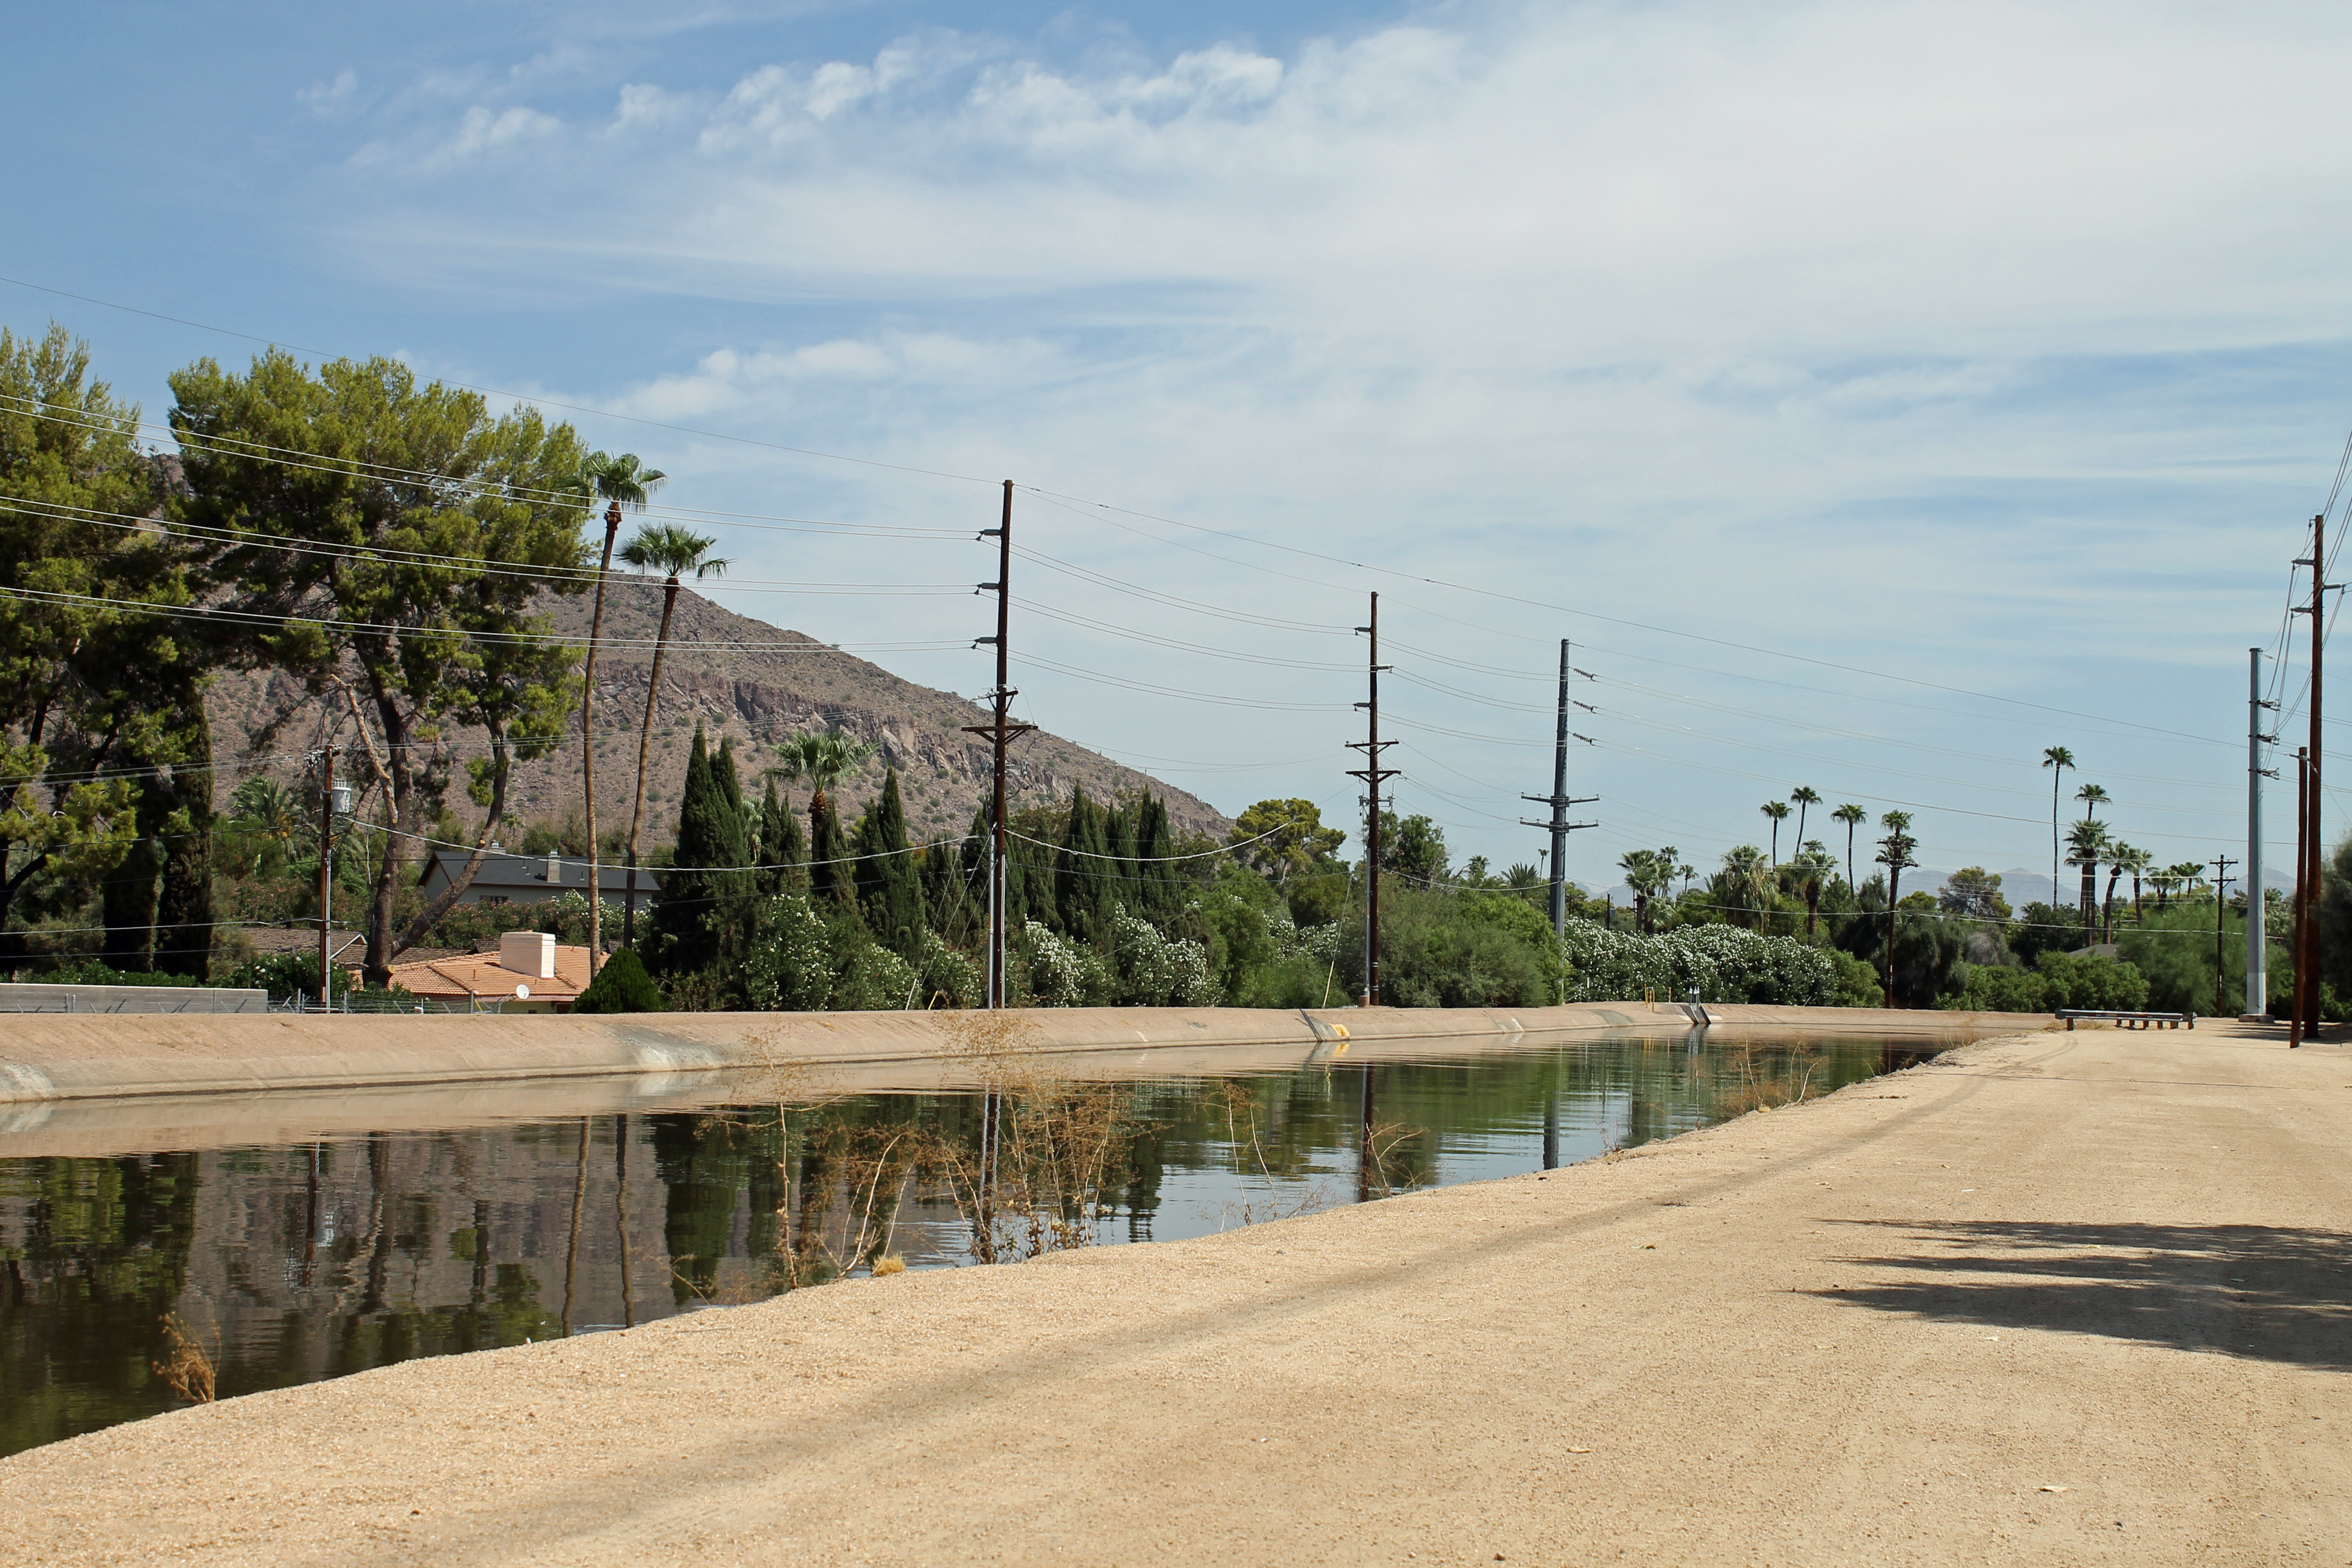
x,y
1374,774
1000,732
2221,881
2258,979
2302,913
1559,800
326,875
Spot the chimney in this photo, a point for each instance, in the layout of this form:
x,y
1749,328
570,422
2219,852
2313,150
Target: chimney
x,y
530,953
554,872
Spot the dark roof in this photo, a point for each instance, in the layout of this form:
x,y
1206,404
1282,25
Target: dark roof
x,y
527,874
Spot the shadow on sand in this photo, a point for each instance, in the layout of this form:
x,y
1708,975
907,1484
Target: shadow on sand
x,y
2263,1292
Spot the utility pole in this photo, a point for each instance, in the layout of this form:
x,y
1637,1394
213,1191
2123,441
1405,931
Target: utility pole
x,y
2221,881
1000,732
2258,980
2302,913
2307,954
326,873
1559,800
1374,774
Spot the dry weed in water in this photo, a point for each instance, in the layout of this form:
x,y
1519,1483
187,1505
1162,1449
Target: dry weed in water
x,y
188,1367
1247,1142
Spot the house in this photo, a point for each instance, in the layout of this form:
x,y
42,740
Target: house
x,y
529,973
532,879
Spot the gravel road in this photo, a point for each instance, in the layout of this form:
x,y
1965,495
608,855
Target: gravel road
x,y
2059,1298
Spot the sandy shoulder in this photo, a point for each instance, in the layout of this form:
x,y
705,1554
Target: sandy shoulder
x,y
1872,1329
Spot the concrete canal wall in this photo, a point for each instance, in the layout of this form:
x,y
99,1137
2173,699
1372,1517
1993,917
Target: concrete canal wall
x,y
46,1058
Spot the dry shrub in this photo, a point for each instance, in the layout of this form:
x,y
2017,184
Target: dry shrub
x,y
188,1367
1246,1138
1754,1087
893,1264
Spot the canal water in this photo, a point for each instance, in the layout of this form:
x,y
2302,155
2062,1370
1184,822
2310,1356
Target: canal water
x,y
125,1281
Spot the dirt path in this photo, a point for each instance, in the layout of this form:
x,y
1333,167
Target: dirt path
x,y
2064,1297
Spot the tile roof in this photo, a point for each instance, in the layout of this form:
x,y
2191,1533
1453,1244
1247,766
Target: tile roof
x,y
481,975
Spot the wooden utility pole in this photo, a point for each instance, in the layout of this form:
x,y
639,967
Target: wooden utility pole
x,y
1374,774
326,875
2308,867
2302,827
1559,800
1000,732
2221,880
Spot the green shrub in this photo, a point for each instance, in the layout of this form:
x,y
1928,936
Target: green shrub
x,y
622,986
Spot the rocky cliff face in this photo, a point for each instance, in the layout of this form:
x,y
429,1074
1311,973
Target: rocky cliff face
x,y
737,677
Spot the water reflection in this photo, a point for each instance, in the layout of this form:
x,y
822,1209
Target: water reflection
x,y
289,1264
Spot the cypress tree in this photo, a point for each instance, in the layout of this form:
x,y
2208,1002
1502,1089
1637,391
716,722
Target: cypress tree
x,y
782,854
1159,882
1084,876
681,940
831,879
890,885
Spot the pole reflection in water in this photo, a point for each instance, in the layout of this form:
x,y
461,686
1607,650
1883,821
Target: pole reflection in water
x,y
315,1260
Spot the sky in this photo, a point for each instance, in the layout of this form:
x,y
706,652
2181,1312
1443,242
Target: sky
x,y
1874,394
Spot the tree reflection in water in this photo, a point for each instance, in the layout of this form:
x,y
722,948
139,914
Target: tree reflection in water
x,y
315,1260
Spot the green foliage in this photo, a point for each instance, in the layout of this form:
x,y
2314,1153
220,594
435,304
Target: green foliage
x,y
2056,980
622,986
889,883
1412,847
1723,963
98,696
701,909
1283,839
1436,953
95,972
365,566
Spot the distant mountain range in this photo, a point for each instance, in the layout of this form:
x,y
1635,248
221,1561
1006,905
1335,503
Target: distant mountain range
x,y
723,670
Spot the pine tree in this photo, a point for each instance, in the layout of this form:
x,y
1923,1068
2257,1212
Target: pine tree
x,y
889,889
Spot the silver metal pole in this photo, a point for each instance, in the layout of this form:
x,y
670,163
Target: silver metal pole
x,y
2258,983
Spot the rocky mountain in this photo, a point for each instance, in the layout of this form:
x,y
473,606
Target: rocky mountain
x,y
737,677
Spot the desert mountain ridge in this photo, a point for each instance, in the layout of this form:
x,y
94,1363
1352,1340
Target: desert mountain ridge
x,y
738,678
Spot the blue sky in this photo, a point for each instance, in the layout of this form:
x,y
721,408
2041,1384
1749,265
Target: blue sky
x,y
1893,369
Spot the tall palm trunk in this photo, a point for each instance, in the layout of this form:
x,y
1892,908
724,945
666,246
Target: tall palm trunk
x,y
1894,892
645,744
588,744
2090,901
2055,775
2108,931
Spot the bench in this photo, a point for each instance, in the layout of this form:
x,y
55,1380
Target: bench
x,y
2130,1020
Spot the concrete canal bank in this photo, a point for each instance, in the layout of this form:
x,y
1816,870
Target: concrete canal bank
x,y
2058,1298
48,1058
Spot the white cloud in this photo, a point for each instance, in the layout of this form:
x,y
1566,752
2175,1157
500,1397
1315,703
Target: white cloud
x,y
1868,327
326,96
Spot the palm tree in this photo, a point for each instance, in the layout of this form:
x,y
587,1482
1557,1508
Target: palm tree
x,y
2057,759
1895,854
2086,847
2137,865
1853,816
2163,878
824,761
2093,796
1777,810
2120,860
1745,883
666,548
1812,863
1803,797
1644,873
620,482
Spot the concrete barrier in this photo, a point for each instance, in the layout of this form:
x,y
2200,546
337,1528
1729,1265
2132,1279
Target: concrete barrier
x,y
52,1057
